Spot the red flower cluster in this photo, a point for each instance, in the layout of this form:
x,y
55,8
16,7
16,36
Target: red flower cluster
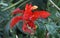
x,y
28,18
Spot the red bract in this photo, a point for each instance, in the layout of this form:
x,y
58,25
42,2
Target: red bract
x,y
32,25
39,14
15,20
27,12
28,18
16,11
25,28
44,14
29,29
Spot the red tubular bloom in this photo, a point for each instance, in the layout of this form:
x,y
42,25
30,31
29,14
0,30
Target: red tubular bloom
x,y
32,25
44,14
17,10
28,8
39,14
15,20
34,16
29,17
27,12
25,29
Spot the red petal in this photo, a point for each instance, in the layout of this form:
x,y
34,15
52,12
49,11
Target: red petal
x,y
39,14
28,12
32,25
15,20
26,7
17,10
25,29
30,7
34,16
26,16
44,14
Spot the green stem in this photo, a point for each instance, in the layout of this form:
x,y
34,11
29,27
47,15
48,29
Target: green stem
x,y
23,3
12,5
54,4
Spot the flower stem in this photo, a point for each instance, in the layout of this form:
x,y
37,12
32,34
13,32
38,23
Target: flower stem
x,y
54,4
12,5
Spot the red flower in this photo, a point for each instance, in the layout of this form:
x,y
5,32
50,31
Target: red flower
x,y
28,18
27,12
25,28
32,25
15,20
29,29
44,14
16,11
39,14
